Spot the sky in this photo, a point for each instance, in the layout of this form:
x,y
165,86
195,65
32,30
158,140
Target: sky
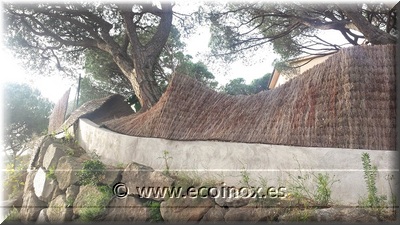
x,y
53,86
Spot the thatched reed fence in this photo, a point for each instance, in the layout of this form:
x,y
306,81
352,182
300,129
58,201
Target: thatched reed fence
x,y
57,116
99,110
346,102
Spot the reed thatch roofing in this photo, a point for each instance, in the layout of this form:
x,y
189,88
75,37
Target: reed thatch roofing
x,y
57,116
346,102
99,110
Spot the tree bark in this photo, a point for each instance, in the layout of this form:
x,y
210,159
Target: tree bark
x,y
145,57
373,34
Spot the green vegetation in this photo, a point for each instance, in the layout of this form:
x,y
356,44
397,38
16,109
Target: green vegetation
x,y
320,192
69,137
15,177
323,193
245,177
70,152
374,202
121,165
26,114
69,202
393,199
92,172
311,189
51,173
13,215
186,180
238,86
166,158
95,204
155,214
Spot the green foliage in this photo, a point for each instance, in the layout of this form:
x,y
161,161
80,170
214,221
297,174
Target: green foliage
x,y
370,177
239,29
321,196
197,70
26,114
187,180
15,178
68,138
323,192
95,205
238,86
166,159
70,202
121,165
155,214
373,201
70,151
13,215
50,174
105,77
245,178
393,199
91,172
311,188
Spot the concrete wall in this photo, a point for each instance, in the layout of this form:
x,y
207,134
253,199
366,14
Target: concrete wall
x,y
226,161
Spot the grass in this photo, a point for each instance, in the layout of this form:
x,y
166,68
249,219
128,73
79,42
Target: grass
x,y
15,177
312,189
121,165
374,202
95,204
51,173
92,172
166,159
13,215
155,214
69,202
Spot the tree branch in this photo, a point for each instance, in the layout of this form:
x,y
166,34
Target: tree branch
x,y
373,34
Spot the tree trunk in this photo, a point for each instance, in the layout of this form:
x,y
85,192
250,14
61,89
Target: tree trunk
x,y
145,86
145,56
142,79
373,34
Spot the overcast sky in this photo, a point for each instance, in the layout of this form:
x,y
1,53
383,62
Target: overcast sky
x,y
53,87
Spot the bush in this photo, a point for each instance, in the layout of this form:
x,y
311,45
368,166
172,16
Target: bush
x,y
92,172
95,205
373,200
155,214
13,215
51,173
15,178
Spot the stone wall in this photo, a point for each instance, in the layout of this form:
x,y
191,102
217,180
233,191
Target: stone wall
x,y
227,162
54,193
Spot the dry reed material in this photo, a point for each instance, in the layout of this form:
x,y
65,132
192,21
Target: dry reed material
x,y
57,116
348,101
99,110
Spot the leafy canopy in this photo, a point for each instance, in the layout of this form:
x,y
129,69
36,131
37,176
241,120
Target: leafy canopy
x,y
293,29
26,113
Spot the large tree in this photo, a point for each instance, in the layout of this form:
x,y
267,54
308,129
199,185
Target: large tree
x,y
26,113
104,77
238,86
292,28
44,33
